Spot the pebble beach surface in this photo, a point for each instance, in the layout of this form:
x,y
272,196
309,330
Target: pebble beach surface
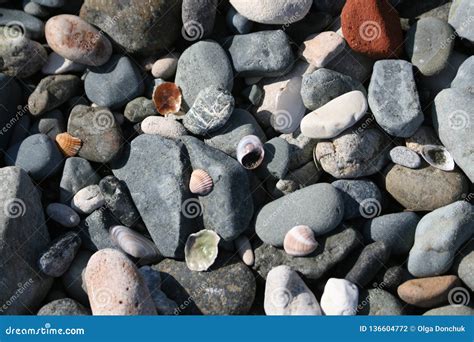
x,y
234,157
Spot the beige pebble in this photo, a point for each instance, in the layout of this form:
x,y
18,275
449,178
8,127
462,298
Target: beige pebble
x,y
88,199
164,126
243,246
165,67
319,49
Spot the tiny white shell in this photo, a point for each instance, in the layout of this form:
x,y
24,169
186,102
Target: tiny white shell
x,y
243,246
438,156
300,241
250,152
201,250
133,243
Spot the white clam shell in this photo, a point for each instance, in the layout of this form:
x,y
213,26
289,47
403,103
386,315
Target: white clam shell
x,y
201,250
133,243
244,248
250,152
300,241
438,156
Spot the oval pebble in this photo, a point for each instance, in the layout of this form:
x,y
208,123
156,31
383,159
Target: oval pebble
x,y
59,256
165,67
167,127
63,215
405,157
88,199
340,297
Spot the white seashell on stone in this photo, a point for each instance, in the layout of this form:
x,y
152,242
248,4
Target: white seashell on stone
x,y
290,108
250,152
88,199
63,215
300,241
438,156
244,248
340,297
287,294
201,250
133,243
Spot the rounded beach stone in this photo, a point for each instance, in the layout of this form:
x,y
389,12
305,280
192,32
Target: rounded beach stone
x,y
58,257
335,116
88,199
464,264
75,39
167,127
63,215
287,294
115,287
276,159
353,153
428,292
38,155
372,28
139,109
277,12
451,310
463,79
460,17
63,307
359,195
426,188
319,206
378,302
320,48
372,258
198,16
237,23
77,174
438,236
403,156
165,67
429,45
340,297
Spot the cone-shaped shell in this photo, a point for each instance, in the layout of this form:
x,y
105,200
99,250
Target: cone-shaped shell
x,y
201,250
244,248
300,241
201,183
133,243
68,144
250,152
167,98
438,156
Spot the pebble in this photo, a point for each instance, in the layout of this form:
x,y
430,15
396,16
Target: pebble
x,y
353,64
320,48
240,124
426,188
276,159
428,292
31,26
115,287
265,54
406,157
88,199
53,91
21,57
323,85
58,257
167,127
332,249
77,174
378,302
139,109
11,98
228,288
354,153
51,3
336,116
114,83
57,64
464,263
38,155
451,310
373,28
392,277
210,111
393,98
287,294
51,123
429,45
213,69
72,279
24,236
198,18
296,179
35,9
277,12
276,218
438,236
460,17
454,123
340,298
129,25
237,23
301,149
361,198
63,215
463,78
94,230
243,247
396,231
165,67
100,134
227,209
63,307
164,305
372,258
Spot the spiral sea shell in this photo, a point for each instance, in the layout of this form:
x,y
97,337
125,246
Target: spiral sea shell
x,y
250,152
201,183
300,241
167,98
133,243
201,250
438,156
68,144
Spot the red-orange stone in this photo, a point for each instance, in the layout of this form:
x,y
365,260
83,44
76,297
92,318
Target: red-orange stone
x,y
372,28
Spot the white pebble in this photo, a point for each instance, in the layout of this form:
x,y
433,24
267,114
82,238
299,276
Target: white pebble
x,y
88,199
340,297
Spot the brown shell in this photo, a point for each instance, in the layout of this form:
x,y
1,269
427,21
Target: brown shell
x,y
300,241
167,98
68,144
201,183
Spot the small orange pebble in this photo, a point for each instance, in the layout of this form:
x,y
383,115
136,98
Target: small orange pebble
x,y
68,144
167,98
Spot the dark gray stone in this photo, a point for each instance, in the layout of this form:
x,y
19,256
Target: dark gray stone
x,y
198,18
330,6
58,257
34,27
237,23
276,160
391,278
11,101
50,3
51,124
372,258
464,77
77,174
139,109
94,230
72,279
464,264
63,307
377,302
35,9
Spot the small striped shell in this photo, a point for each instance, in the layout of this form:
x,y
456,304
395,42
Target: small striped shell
x,y
167,98
201,250
201,183
250,152
438,156
244,248
133,243
68,144
300,241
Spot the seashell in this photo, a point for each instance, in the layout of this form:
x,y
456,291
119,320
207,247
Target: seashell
x,y
250,152
201,250
167,98
68,144
133,243
438,156
300,241
243,246
201,183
